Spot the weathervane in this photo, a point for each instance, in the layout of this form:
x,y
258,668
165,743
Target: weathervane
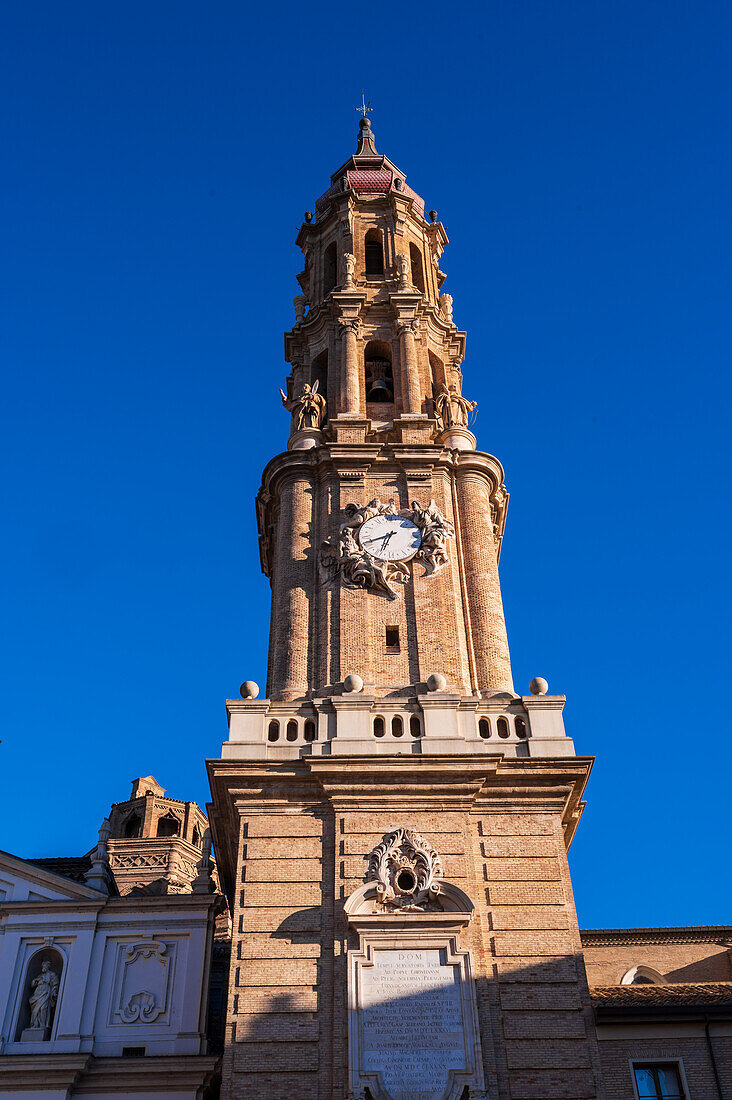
x,y
365,107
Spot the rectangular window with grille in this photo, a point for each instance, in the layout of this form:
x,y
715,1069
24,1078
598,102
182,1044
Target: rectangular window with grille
x,y
658,1081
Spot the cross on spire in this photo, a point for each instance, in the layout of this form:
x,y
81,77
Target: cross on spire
x,y
365,107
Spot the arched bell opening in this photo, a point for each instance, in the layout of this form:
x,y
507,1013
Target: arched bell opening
x,y
330,268
378,373
132,826
168,825
374,253
415,259
319,372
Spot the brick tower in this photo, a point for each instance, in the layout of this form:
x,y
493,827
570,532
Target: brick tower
x,y
391,821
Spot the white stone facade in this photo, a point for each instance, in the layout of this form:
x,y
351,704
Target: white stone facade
x,y
133,977
434,722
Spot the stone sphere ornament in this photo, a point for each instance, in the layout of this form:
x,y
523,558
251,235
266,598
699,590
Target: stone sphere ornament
x,y
353,683
538,686
436,682
249,690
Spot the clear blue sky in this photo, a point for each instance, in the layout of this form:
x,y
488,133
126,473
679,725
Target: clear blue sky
x,y
158,160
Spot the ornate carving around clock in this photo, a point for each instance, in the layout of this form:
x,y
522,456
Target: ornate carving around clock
x,y
376,541
406,869
436,530
357,566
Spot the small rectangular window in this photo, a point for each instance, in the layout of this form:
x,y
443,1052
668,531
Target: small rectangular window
x,y
134,1052
392,637
658,1081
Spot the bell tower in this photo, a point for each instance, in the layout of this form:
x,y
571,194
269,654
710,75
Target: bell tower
x,y
391,819
388,423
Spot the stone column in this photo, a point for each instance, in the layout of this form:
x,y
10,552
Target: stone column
x,y
350,388
293,583
411,391
482,589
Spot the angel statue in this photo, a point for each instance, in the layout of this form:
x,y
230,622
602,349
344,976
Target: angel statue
x,y
436,530
308,410
452,409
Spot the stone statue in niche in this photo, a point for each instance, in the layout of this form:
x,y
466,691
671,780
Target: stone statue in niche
x,y
406,870
436,530
43,997
308,410
452,410
404,269
349,266
446,306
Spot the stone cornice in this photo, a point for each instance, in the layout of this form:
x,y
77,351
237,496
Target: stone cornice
x,y
720,934
27,1071
486,784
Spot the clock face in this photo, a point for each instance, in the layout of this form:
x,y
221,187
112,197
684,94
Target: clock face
x,y
390,538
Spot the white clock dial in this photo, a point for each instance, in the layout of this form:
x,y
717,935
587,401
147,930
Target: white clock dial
x,y
390,538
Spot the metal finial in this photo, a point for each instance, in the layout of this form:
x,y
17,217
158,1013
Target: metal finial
x,y
365,107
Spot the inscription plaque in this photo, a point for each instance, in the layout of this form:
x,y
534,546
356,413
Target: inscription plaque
x,y
411,1023
413,1029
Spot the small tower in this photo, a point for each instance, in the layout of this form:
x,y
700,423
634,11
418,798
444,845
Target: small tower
x,y
156,844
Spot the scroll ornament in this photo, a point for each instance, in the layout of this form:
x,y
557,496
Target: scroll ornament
x,y
406,870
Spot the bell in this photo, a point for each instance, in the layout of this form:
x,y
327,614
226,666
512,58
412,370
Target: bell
x,y
379,391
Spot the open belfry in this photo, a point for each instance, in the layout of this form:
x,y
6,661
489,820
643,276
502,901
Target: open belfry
x,y
392,819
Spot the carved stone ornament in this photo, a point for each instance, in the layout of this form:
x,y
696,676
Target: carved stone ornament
x,y
143,978
404,269
360,567
140,1006
299,302
446,306
406,869
349,265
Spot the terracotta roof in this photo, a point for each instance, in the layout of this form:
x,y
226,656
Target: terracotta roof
x,y
73,867
367,172
676,994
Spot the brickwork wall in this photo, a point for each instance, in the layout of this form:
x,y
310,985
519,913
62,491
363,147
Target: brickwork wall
x,y
323,630
281,970
676,962
288,1027
293,584
488,625
692,1051
532,992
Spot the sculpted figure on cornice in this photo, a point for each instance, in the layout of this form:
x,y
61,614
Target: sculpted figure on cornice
x,y
436,530
452,410
308,410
